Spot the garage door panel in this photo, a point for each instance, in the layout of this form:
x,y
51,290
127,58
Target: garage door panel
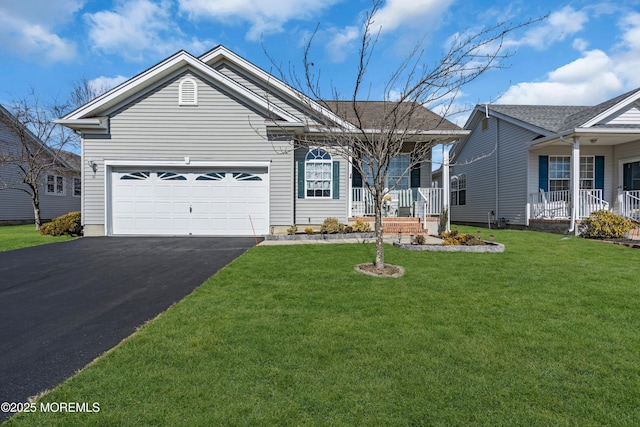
x,y
189,201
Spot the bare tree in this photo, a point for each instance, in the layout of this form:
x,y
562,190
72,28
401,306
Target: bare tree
x,y
402,124
32,146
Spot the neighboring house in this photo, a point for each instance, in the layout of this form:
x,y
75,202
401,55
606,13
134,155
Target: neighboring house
x,y
59,185
539,165
205,146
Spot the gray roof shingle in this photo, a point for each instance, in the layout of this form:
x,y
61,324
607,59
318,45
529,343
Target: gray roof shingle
x,y
376,115
557,118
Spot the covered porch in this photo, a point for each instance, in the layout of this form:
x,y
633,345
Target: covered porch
x,y
582,171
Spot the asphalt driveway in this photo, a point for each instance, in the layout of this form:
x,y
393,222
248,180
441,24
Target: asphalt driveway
x,y
64,304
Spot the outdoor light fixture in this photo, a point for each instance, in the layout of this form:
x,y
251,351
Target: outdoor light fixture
x,y
593,140
93,165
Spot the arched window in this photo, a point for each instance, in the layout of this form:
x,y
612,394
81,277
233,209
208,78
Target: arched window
x,y
188,92
318,174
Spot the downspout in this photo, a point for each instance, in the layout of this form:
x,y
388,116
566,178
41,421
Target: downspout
x,y
446,185
575,183
497,210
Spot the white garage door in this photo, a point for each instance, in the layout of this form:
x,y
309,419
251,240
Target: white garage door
x,y
206,202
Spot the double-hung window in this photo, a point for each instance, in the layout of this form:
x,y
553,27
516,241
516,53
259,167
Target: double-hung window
x,y
318,174
55,185
77,186
587,172
560,173
459,190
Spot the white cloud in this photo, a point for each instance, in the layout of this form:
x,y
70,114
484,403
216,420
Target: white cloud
x,y
28,28
337,48
102,84
140,28
264,17
557,27
415,14
595,76
585,81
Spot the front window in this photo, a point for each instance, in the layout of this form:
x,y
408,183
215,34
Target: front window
x,y
560,173
55,184
318,174
587,172
398,175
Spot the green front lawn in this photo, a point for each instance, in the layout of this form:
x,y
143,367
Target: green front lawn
x,y
21,236
547,333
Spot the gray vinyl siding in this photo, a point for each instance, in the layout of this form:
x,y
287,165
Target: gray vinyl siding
x,y
480,175
510,182
220,128
314,211
269,93
512,172
15,204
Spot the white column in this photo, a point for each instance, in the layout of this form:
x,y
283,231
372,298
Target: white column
x,y
446,184
575,183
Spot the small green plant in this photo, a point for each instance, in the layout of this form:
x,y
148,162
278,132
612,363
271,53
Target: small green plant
x,y
308,230
444,219
331,226
293,229
454,238
361,226
604,224
68,224
419,239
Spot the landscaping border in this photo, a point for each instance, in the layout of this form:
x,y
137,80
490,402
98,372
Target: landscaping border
x,y
490,247
336,236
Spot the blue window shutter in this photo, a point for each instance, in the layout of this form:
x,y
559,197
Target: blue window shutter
x,y
599,177
356,178
301,180
336,180
543,173
415,177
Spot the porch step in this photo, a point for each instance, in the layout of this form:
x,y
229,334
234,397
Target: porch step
x,y
394,225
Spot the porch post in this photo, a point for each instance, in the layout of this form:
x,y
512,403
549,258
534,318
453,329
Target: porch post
x,y
575,183
445,185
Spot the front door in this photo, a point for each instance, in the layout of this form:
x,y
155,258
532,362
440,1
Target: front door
x,y
631,176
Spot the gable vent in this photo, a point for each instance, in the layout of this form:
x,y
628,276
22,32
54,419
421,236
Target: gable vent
x,y
188,92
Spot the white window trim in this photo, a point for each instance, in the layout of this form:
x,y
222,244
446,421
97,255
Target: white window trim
x,y
55,185
73,189
456,188
181,97
306,181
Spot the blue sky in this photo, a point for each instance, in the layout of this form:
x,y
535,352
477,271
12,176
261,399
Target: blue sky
x,y
585,52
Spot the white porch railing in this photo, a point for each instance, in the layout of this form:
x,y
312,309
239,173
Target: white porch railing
x,y
631,204
429,203
557,204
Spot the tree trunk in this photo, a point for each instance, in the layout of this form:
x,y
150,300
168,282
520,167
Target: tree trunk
x,y
379,240
35,201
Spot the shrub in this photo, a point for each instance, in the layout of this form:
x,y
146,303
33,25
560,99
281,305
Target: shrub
x,y
453,238
308,230
331,226
68,224
348,229
419,239
361,226
605,225
292,230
